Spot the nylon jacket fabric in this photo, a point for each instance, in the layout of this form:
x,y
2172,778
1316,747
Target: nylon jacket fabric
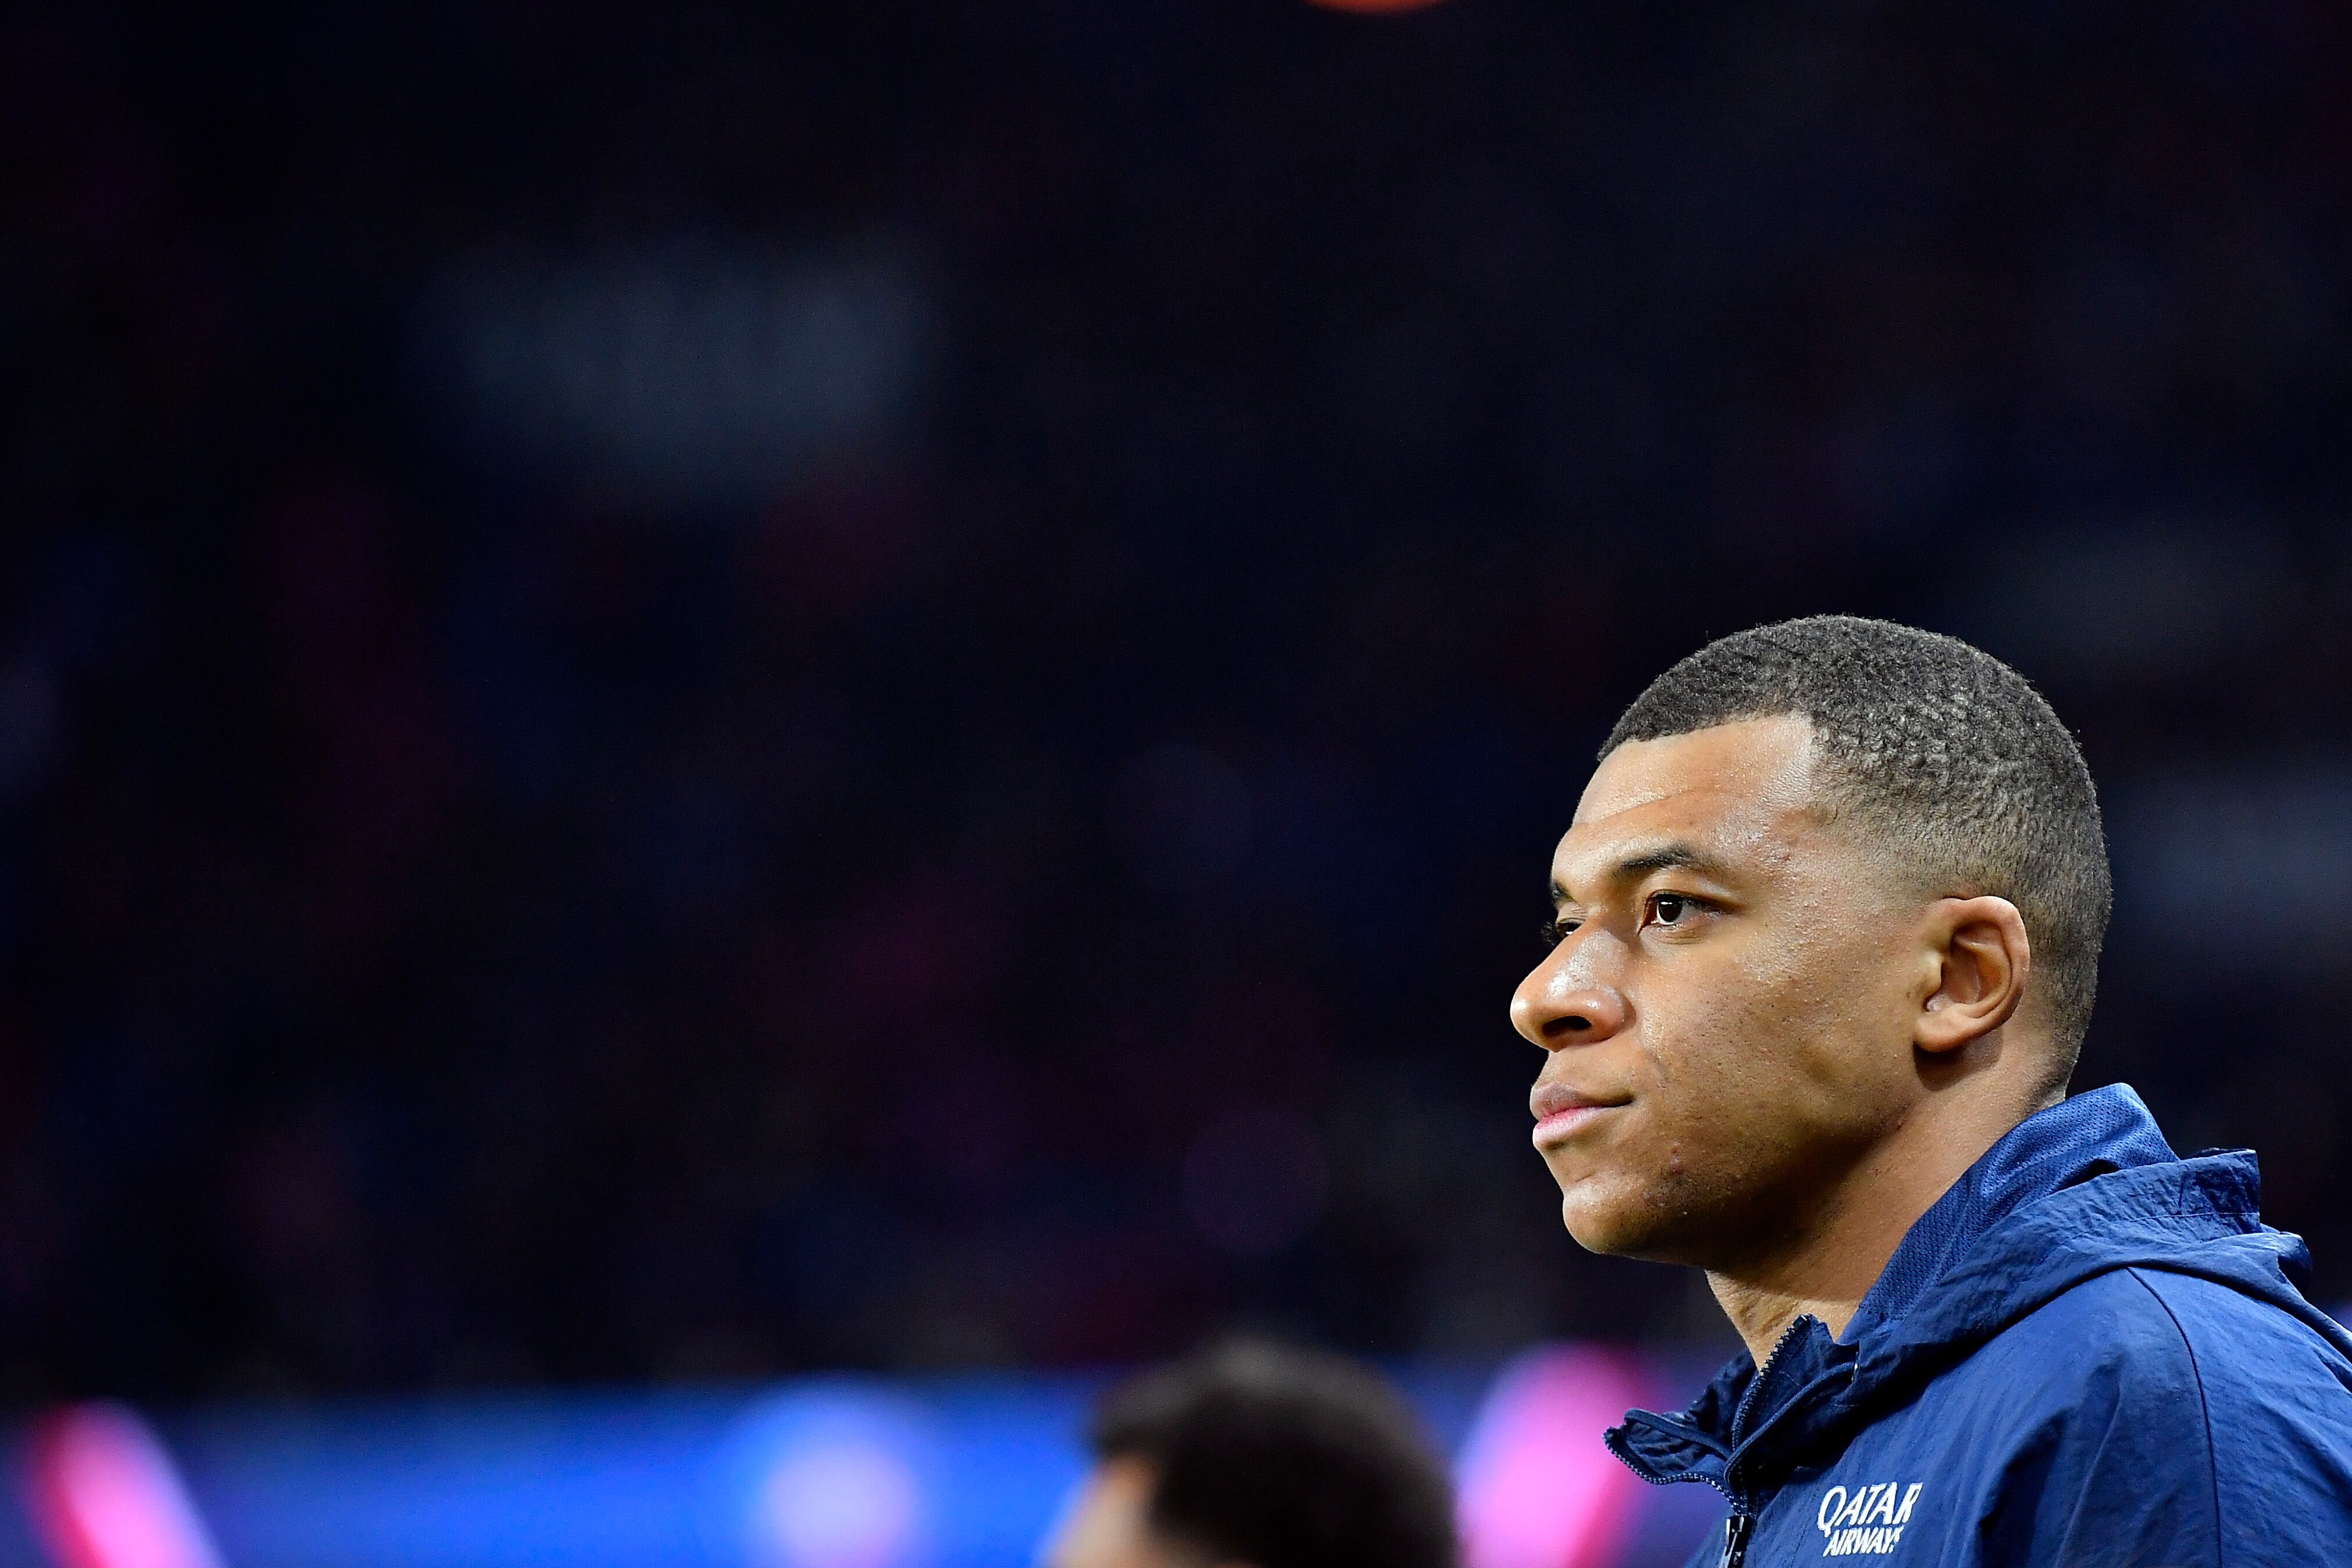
x,y
2090,1354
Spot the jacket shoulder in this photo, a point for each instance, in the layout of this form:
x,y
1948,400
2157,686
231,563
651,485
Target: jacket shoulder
x,y
2180,1398
2277,1402
2091,1444
2156,1343
2109,1341
2234,1334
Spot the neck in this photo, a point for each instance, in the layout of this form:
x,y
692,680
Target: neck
x,y
1853,1229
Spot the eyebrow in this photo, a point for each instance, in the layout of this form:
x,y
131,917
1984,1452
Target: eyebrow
x,y
1670,857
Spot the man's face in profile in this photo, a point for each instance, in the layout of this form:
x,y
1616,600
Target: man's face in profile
x,y
1728,1004
1109,1524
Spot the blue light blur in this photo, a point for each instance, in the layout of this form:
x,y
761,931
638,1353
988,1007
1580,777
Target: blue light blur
x,y
830,1472
956,1472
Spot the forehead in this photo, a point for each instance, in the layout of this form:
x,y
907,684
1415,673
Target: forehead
x,y
1734,789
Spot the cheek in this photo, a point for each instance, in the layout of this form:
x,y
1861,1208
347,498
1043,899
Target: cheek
x,y
1790,1048
1753,1059
1754,1065
1717,1036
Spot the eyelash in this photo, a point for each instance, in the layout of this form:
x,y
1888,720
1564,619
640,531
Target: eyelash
x,y
1554,930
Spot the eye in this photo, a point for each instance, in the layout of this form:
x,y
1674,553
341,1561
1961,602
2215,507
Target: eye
x,y
1553,930
1669,908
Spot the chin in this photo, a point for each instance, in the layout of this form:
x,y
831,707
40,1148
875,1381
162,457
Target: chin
x,y
1613,1224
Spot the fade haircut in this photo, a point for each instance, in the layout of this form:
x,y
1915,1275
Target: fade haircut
x,y
1283,1459
1943,751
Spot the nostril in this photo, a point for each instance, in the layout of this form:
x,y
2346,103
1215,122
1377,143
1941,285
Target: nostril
x,y
1576,1022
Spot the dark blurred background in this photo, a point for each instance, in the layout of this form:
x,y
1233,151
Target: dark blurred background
x,y
699,691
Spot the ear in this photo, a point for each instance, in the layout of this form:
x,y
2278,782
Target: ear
x,y
1977,958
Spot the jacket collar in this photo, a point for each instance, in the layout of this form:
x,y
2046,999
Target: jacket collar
x,y
2090,1135
2006,1238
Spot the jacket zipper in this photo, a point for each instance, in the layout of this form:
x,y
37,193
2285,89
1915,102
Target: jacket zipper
x,y
1741,1524
1736,1531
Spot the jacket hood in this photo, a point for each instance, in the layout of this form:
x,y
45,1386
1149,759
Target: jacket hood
x,y
2083,1188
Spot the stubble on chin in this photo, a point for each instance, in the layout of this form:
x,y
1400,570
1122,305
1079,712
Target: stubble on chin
x,y
1670,1208
1624,1214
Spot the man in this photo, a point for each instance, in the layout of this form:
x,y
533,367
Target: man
x,y
1258,1455
1827,926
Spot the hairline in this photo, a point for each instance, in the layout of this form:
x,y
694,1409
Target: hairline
x,y
1836,794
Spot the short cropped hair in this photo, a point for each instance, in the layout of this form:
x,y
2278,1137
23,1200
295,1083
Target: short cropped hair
x,y
1945,751
1283,1459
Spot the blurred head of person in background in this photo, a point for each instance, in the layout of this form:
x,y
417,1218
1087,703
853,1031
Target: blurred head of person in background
x,y
1257,1455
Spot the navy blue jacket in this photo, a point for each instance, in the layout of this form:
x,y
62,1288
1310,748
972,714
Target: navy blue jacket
x,y
2090,1354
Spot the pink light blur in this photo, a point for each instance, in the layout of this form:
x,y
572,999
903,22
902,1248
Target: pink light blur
x,y
1537,1488
838,1502
103,1494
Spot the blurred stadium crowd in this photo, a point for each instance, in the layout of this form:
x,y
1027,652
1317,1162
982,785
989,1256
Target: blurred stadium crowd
x,y
705,690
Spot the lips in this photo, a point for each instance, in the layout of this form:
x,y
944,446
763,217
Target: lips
x,y
1549,1100
1561,1111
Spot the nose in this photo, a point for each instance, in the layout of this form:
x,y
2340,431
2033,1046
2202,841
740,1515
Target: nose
x,y
1555,1007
